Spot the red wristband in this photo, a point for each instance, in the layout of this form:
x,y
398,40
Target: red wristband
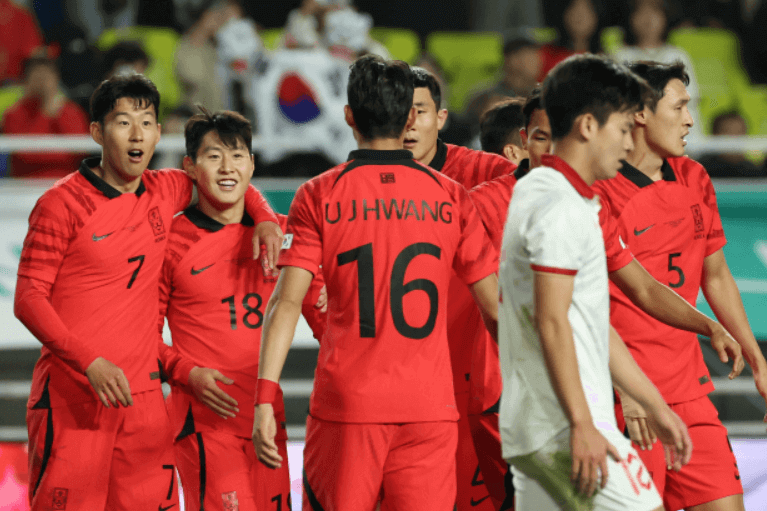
x,y
266,391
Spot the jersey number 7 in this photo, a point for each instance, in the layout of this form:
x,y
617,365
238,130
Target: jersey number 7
x,y
398,288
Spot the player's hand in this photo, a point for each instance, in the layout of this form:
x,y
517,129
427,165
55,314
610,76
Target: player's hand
x,y
264,431
640,431
268,234
203,380
109,382
727,348
760,379
673,433
590,450
322,301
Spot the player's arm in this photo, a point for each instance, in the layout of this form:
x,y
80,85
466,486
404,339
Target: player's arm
x,y
630,381
665,305
32,306
553,296
485,293
315,306
723,297
280,318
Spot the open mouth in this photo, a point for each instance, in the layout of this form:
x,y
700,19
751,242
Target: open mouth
x,y
409,142
227,184
135,155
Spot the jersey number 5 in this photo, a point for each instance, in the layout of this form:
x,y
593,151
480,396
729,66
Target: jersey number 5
x,y
398,288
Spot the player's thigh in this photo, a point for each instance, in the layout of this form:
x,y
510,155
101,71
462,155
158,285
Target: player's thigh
x,y
419,473
629,485
654,460
69,448
495,471
272,485
216,470
142,474
343,464
712,473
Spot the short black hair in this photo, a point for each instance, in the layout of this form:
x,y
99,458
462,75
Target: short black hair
x,y
38,60
532,103
658,75
591,84
500,125
423,78
512,46
134,86
380,95
231,127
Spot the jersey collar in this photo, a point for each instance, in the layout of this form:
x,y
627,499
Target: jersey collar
x,y
640,179
440,157
522,169
364,157
86,169
384,156
203,221
557,163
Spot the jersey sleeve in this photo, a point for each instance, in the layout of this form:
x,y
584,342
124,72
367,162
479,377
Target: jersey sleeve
x,y
178,186
618,254
314,316
303,246
715,238
50,230
553,239
475,257
257,206
492,202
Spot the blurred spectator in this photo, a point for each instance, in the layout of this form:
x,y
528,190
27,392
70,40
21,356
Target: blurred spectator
x,y
304,24
521,68
19,37
79,62
124,58
499,130
346,34
727,14
94,16
510,17
44,109
730,164
645,36
197,58
577,32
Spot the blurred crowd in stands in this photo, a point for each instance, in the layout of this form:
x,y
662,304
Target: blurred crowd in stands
x,y
291,80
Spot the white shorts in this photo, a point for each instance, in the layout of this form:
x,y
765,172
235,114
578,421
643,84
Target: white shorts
x,y
542,480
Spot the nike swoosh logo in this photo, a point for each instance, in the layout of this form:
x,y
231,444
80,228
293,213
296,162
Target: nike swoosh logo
x,y
165,508
99,238
475,503
197,272
637,233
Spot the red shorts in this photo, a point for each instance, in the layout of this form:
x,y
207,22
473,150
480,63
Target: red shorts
x,y
88,456
472,494
496,472
712,473
221,470
407,466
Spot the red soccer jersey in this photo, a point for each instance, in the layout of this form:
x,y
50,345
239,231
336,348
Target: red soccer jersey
x,y
388,233
671,225
214,295
101,251
470,168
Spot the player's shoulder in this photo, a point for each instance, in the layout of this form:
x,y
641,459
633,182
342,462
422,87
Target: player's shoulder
x,y
688,171
69,191
466,156
160,177
499,187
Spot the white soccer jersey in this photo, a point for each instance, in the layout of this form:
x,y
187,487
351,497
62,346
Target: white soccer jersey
x,y
552,226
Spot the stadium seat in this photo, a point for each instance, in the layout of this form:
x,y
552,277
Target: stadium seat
x,y
271,37
611,39
160,44
403,44
468,59
8,96
715,55
543,35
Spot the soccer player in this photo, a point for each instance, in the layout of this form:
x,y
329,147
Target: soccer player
x,y
535,134
469,168
213,294
500,130
666,209
558,428
388,233
87,289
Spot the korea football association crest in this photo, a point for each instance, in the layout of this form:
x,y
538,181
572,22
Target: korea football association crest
x,y
59,501
155,221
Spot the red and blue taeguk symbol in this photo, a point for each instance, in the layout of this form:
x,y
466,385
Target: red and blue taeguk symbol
x,y
297,100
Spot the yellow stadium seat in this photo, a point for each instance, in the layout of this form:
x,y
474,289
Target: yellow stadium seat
x,y
611,39
9,95
160,44
544,35
468,59
271,37
403,44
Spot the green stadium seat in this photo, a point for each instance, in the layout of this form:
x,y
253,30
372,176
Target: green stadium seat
x,y
160,44
611,39
543,35
403,44
9,95
469,59
271,37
